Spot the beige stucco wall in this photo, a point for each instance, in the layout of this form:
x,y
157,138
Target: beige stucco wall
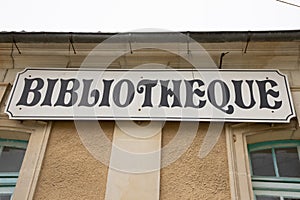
x,y
70,172
193,178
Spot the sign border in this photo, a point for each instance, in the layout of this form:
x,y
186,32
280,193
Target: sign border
x,y
225,119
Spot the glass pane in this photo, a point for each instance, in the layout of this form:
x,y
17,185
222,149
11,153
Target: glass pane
x,y
293,198
288,162
5,196
260,197
11,159
262,163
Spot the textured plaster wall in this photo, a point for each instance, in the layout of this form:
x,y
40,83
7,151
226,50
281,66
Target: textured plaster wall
x,y
193,178
68,170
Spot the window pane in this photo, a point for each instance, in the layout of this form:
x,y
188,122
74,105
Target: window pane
x,y
11,159
291,198
5,196
262,163
288,162
259,197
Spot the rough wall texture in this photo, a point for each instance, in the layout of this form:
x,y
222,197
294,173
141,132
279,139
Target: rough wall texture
x,y
68,170
193,178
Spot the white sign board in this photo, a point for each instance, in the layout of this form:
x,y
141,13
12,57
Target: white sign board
x,y
181,95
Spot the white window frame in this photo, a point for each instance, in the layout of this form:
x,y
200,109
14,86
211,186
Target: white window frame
x,y
237,138
8,180
38,133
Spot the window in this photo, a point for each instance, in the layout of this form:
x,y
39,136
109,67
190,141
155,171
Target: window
x,y
257,160
11,157
13,142
275,170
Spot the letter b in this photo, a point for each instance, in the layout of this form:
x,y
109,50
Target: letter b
x,y
35,91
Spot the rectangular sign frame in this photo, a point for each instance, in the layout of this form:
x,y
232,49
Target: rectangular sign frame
x,y
201,95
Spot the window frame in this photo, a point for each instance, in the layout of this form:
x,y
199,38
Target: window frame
x,y
275,185
238,136
37,133
8,180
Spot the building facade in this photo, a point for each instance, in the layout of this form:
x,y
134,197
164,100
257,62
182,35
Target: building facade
x,y
61,159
